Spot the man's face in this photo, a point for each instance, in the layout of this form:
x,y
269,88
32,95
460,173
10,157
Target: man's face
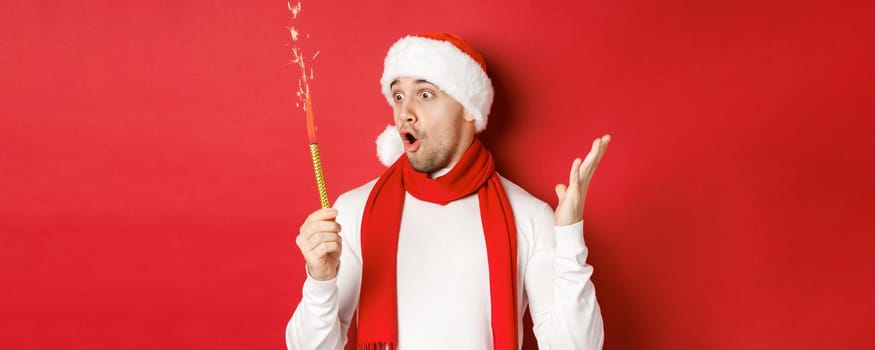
x,y
434,128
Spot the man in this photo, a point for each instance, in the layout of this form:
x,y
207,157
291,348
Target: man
x,y
441,252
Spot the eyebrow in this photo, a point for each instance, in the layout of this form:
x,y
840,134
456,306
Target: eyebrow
x,y
417,81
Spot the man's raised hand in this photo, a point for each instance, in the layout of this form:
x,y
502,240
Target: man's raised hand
x,y
320,244
572,196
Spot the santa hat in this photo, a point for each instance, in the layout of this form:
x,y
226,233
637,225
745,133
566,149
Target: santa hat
x,y
447,62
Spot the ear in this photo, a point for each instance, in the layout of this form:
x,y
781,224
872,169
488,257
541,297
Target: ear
x,y
468,117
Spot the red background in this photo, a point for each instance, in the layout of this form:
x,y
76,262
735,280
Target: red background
x,y
154,170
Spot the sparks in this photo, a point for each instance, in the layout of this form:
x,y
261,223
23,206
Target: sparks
x,y
295,10
303,91
294,33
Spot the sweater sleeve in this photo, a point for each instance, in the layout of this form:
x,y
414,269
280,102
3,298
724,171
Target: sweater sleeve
x,y
322,318
560,293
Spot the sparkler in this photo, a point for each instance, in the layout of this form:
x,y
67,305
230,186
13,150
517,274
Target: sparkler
x,y
306,103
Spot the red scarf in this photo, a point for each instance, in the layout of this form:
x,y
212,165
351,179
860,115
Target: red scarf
x,y
474,173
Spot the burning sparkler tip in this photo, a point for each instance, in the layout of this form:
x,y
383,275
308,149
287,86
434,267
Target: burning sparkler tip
x,y
295,10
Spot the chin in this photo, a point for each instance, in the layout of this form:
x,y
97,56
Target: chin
x,y
423,166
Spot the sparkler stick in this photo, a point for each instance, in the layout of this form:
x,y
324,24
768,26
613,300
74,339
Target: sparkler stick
x,y
304,97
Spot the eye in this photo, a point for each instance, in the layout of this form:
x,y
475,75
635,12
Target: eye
x,y
397,96
427,94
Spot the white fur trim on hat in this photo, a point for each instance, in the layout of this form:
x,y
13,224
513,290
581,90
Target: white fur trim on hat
x,y
389,146
444,65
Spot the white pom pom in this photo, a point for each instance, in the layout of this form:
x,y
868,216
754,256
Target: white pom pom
x,y
389,146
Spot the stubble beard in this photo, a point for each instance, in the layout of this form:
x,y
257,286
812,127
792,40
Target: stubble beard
x,y
429,159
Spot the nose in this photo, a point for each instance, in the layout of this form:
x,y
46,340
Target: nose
x,y
406,113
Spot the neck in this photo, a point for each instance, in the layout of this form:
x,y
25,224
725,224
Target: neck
x,y
438,173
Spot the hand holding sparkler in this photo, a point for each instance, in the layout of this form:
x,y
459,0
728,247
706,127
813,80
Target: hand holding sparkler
x,y
320,244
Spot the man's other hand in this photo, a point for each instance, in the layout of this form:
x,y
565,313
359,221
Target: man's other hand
x,y
572,196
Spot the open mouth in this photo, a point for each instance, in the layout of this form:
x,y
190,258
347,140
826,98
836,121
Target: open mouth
x,y
409,138
411,143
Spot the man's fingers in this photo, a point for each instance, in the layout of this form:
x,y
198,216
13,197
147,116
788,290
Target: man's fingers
x,y
314,232
588,161
321,226
325,248
319,221
323,214
599,146
603,147
572,177
560,191
307,242
322,244
320,237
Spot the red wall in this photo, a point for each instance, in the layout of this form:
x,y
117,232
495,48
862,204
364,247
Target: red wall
x,y
154,170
